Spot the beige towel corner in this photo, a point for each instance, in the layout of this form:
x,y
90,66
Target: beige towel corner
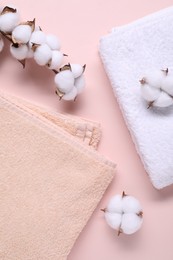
x,y
50,180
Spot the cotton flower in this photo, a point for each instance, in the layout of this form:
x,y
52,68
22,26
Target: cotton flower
x,y
19,52
1,44
22,32
64,81
70,81
77,70
150,93
42,54
70,95
157,88
53,42
124,214
9,19
80,83
37,37
154,77
56,60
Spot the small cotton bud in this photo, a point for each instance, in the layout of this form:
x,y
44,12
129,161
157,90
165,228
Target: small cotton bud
x,y
20,52
164,100
9,20
80,84
130,223
64,81
21,33
157,88
70,95
154,77
56,61
1,44
115,204
77,70
53,42
42,54
131,205
113,219
149,93
124,214
37,37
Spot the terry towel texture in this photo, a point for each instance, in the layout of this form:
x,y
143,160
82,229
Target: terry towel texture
x,y
51,180
126,54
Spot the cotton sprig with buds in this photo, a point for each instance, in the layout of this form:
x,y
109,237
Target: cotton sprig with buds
x,y
157,88
124,214
29,41
70,81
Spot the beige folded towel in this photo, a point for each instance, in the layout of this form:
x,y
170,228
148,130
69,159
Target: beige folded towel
x,y
50,180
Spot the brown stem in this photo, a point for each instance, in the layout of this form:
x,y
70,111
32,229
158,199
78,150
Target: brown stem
x,y
124,194
120,231
55,71
7,36
165,71
140,214
150,104
84,67
142,81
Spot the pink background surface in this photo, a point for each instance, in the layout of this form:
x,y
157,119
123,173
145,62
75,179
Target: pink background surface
x,y
79,24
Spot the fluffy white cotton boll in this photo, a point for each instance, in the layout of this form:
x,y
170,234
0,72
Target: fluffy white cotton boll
x,y
164,100
131,223
167,84
53,42
70,95
19,53
115,204
64,81
124,213
80,84
113,220
157,87
154,77
1,44
42,54
131,205
21,33
8,21
77,70
37,37
56,61
149,93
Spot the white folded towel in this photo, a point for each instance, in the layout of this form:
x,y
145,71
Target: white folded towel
x,y
127,52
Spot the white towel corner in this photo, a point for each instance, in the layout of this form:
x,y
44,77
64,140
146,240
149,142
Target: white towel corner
x,y
126,54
